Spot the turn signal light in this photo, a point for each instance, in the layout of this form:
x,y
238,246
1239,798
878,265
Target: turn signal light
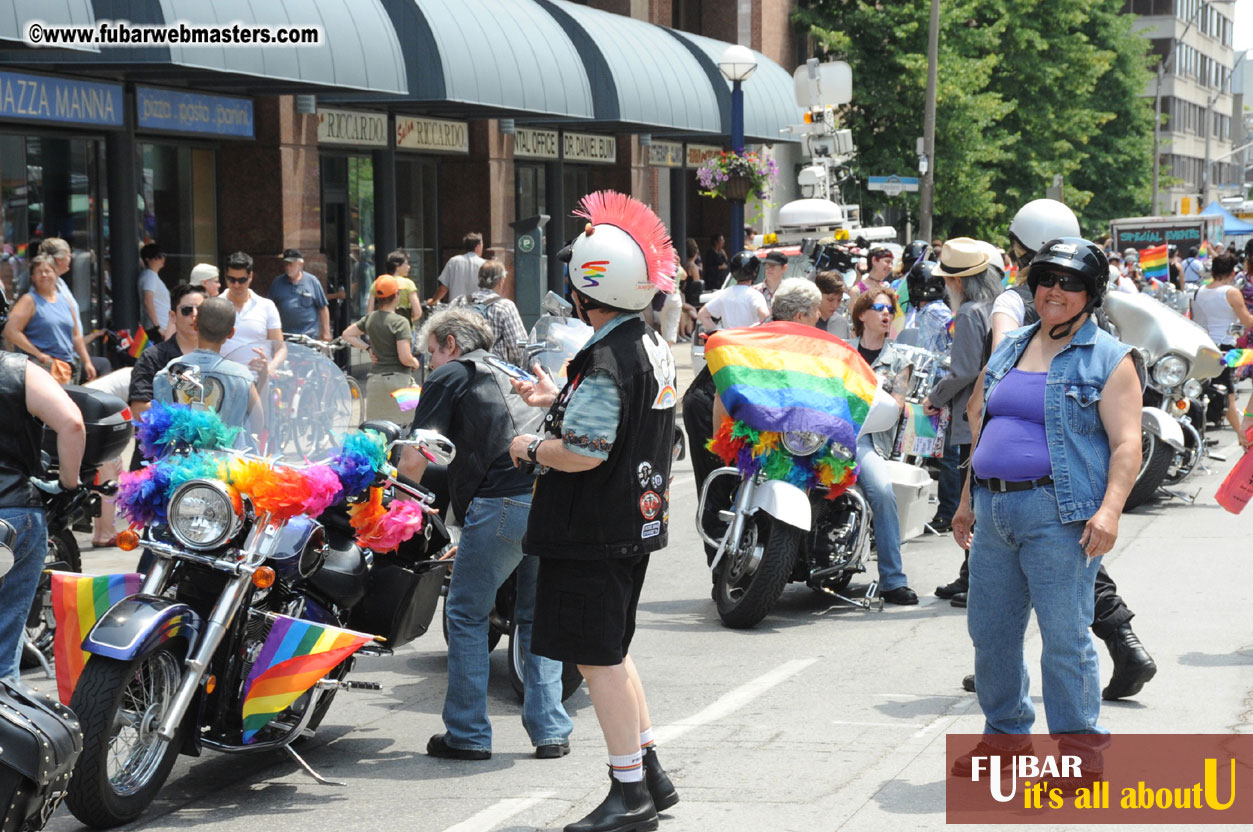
x,y
128,540
809,117
210,684
1182,404
263,577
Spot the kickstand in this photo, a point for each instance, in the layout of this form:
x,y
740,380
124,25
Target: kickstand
x,y
309,769
1190,500
31,650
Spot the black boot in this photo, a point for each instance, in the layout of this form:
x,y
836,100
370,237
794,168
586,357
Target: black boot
x,y
1133,666
659,786
626,808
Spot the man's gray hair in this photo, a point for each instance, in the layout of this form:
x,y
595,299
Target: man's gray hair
x,y
984,286
795,297
491,273
468,329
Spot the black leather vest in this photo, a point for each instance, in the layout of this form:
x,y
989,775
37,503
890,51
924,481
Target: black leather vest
x,y
20,441
620,508
1030,315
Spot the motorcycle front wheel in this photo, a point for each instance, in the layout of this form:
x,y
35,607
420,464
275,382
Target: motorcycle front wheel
x,y
124,763
1155,459
755,570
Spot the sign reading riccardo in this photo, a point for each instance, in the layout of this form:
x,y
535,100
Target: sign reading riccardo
x,y
44,98
432,134
191,112
351,127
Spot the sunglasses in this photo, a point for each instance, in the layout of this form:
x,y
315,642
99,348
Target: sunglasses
x,y
238,281
882,307
185,311
1068,282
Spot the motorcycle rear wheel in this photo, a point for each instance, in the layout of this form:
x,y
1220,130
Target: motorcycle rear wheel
x,y
1156,457
745,593
124,764
571,678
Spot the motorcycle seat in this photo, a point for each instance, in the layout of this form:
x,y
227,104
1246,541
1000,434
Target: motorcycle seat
x,y
344,575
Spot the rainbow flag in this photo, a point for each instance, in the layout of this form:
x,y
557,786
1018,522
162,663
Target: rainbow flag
x,y
785,376
1153,262
295,655
925,427
1238,358
407,397
78,602
139,342
1203,251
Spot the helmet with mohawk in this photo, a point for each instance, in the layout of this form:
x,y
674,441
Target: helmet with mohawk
x,y
624,254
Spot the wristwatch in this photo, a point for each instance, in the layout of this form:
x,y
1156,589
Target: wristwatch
x,y
533,449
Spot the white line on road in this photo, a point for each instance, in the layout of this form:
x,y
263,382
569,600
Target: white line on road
x,y
731,702
497,813
878,724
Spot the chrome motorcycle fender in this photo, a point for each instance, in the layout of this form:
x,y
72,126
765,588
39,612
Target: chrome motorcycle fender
x,y
1157,422
785,503
135,625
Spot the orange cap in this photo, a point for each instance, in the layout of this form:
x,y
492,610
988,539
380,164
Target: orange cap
x,y
386,286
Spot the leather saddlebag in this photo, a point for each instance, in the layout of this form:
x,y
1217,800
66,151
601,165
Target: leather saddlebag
x,y
40,741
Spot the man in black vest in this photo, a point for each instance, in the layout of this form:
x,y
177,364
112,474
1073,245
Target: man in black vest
x,y
468,399
29,396
601,504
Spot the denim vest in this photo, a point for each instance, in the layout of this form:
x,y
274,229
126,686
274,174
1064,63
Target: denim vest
x,y
1078,444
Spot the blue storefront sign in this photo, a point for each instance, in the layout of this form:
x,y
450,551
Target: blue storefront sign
x,y
45,98
192,112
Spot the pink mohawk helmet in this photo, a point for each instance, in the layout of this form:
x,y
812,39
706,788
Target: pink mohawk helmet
x,y
625,254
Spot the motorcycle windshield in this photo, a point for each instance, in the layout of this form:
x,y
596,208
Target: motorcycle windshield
x,y
306,404
1157,330
561,338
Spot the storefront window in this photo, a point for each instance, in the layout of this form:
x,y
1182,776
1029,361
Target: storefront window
x,y
348,227
575,184
416,219
178,206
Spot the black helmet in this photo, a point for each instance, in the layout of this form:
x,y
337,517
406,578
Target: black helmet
x,y
923,283
744,266
1078,257
915,251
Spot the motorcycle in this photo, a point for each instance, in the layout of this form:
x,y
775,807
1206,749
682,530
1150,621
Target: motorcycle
x,y
1178,356
170,667
107,422
777,532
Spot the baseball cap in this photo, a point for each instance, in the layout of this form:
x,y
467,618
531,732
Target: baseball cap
x,y
202,272
291,255
776,257
386,286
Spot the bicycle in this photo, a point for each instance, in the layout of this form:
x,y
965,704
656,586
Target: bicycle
x,y
356,410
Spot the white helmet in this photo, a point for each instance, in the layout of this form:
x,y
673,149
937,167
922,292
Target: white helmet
x,y
996,260
623,256
1041,220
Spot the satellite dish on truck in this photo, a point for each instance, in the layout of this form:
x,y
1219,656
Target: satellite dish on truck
x,y
819,86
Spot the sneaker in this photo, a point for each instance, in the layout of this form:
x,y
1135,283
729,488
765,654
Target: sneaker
x,y
437,746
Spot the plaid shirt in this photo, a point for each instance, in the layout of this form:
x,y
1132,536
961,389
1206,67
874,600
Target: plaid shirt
x,y
505,322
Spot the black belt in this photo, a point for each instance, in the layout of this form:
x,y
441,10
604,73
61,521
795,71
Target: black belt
x,y
1004,486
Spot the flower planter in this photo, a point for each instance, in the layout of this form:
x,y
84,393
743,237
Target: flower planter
x,y
738,187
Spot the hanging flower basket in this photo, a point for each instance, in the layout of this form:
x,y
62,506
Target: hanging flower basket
x,y
731,175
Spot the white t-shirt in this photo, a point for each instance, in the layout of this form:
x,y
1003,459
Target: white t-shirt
x,y
252,325
1010,303
461,275
738,305
150,281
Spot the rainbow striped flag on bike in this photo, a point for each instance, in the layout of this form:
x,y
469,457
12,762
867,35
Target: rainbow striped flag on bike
x,y
78,602
295,655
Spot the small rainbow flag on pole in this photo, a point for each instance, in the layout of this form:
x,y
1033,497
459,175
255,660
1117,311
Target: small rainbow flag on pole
x,y
1238,358
295,655
78,602
407,397
1153,262
1203,251
139,342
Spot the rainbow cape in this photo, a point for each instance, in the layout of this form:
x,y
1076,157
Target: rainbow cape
x,y
786,376
1153,262
78,602
407,397
1238,358
295,655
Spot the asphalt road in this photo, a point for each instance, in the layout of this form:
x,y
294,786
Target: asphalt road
x,y
823,717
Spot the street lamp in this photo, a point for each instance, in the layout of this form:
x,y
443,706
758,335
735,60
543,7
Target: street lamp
x,y
737,64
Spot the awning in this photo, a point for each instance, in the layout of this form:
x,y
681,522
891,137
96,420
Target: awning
x,y
644,79
1232,225
486,57
769,99
358,49
17,14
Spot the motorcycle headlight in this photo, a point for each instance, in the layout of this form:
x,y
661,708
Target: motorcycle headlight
x,y
1170,370
1193,389
803,442
204,514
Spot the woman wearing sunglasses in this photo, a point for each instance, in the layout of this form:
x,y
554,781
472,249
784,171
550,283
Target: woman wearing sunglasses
x,y
1056,452
872,315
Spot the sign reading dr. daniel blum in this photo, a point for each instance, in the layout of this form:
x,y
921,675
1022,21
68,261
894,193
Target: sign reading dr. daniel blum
x,y
191,112
45,98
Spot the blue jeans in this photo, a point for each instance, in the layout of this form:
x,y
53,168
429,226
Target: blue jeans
x,y
950,479
17,589
489,550
1022,558
876,482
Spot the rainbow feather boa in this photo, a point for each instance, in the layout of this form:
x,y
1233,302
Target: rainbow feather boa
x,y
282,491
753,451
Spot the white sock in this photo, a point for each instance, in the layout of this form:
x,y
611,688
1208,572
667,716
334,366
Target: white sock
x,y
628,768
646,740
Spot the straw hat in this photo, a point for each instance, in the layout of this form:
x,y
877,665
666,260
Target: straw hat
x,y
962,257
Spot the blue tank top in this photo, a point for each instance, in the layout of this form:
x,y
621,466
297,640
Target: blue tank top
x,y
51,328
1012,444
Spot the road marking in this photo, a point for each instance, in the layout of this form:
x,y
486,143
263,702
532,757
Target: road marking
x,y
731,702
494,815
878,724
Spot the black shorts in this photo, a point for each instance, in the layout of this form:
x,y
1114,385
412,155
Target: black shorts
x,y
585,609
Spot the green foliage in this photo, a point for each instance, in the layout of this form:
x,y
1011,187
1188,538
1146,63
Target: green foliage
x,y
1026,89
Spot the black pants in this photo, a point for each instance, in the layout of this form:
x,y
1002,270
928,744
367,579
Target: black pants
x,y
698,418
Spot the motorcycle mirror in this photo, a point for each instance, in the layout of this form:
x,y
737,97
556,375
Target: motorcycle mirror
x,y
557,306
8,539
436,447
